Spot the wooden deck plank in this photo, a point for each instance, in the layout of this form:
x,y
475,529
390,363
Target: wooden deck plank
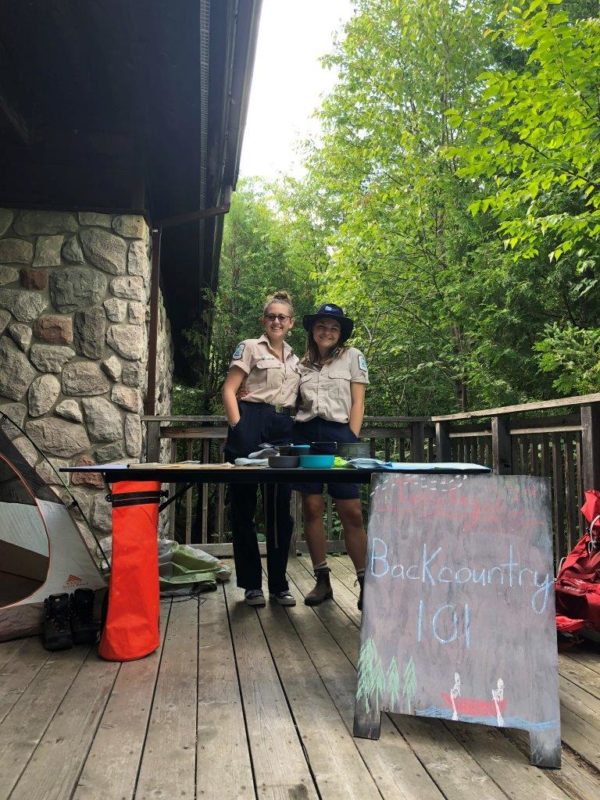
x,y
507,765
26,722
112,765
168,768
279,764
222,741
575,777
54,768
581,672
579,721
259,705
335,762
588,654
21,662
399,774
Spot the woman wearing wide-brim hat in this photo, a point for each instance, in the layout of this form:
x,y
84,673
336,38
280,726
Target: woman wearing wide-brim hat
x,y
331,400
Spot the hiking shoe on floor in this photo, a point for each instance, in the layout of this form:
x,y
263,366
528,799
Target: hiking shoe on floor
x,y
56,627
285,598
84,627
322,590
254,597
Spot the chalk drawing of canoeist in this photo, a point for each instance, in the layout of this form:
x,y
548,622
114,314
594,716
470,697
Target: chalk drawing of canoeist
x,y
454,693
476,707
498,696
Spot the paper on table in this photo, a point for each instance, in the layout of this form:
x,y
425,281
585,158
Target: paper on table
x,y
181,465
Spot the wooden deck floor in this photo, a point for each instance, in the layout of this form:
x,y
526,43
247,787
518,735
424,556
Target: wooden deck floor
x,y
240,703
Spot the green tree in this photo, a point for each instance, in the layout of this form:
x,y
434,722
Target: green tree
x,y
534,150
263,242
403,246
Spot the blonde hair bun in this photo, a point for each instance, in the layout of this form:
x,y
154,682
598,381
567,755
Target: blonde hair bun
x,y
280,296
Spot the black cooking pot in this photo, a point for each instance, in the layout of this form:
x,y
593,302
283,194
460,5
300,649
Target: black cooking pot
x,y
324,448
354,449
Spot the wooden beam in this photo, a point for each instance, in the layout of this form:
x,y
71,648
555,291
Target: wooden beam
x,y
501,446
546,404
443,448
150,405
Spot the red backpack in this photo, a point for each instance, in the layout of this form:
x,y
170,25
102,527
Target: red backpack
x,y
578,580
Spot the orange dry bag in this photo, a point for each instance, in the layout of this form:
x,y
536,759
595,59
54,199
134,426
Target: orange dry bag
x,y
131,629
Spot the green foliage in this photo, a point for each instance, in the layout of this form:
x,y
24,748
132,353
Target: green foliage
x,y
403,245
533,148
536,135
451,206
266,242
573,354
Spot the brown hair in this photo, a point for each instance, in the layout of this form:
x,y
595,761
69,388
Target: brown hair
x,y
312,355
280,296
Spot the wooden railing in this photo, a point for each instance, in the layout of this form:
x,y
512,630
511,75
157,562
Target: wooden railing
x,y
558,439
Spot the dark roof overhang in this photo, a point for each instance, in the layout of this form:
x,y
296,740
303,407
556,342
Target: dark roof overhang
x,y
129,106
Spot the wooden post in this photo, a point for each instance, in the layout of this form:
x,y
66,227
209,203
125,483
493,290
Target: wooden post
x,y
501,445
152,440
443,450
590,446
150,404
417,441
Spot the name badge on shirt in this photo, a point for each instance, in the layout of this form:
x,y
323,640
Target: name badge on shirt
x,y
239,351
362,363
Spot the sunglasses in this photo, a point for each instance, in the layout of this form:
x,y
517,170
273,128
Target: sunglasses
x,y
278,317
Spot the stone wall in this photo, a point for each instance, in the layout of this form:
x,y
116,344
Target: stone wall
x,y
74,293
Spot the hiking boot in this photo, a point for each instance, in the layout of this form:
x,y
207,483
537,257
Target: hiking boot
x,y
361,583
322,590
84,627
285,598
56,627
254,597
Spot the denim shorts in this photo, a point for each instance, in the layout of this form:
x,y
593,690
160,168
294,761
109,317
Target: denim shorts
x,y
322,430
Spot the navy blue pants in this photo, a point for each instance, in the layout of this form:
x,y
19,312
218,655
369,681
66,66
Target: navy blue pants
x,y
323,430
259,423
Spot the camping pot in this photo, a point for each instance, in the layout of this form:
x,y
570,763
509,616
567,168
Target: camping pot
x,y
323,448
354,450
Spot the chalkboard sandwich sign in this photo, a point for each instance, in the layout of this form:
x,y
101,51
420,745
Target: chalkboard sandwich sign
x,y
458,615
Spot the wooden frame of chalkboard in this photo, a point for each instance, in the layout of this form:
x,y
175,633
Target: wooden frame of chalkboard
x,y
458,615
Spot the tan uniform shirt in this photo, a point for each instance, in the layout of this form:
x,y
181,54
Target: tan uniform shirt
x,y
326,392
268,380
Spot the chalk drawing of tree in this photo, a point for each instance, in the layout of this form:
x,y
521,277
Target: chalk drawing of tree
x,y
409,689
371,677
393,683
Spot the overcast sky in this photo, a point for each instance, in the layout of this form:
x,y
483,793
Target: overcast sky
x,y
288,81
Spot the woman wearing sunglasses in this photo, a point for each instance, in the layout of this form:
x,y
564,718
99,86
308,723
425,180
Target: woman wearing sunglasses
x,y
270,374
331,406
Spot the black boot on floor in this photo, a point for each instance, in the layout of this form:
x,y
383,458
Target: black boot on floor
x,y
56,627
84,627
322,590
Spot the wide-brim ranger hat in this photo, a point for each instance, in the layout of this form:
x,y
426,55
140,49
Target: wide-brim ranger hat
x,y
333,312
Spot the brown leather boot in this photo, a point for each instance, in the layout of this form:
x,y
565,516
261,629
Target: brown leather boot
x,y
322,590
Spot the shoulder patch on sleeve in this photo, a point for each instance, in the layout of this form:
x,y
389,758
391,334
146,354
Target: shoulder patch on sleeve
x,y
362,363
239,351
